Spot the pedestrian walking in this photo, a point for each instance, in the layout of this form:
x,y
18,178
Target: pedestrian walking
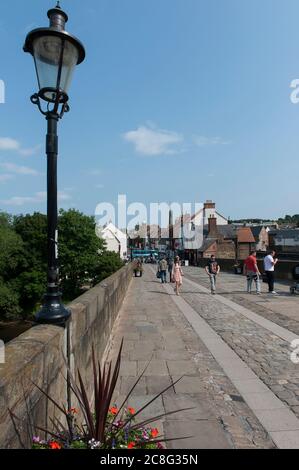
x,y
177,275
138,268
170,266
252,272
212,269
269,265
163,265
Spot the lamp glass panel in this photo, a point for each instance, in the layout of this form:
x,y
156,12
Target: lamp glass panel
x,y
70,60
47,55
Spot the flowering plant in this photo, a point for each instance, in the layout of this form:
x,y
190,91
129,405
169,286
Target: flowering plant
x,y
129,437
101,426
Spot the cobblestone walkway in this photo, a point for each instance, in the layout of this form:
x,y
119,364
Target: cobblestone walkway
x,y
153,326
282,310
264,352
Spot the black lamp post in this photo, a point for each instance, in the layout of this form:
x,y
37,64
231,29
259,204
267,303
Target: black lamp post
x,y
55,53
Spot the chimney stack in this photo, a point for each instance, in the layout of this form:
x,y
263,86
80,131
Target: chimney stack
x,y
213,232
209,204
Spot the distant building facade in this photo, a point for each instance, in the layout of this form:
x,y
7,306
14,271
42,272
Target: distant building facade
x,y
261,236
285,240
245,242
115,239
208,210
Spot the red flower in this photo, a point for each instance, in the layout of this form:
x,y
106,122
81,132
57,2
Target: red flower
x,y
131,445
55,445
73,411
154,432
131,410
113,410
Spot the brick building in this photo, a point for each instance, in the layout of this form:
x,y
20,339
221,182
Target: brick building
x,y
245,242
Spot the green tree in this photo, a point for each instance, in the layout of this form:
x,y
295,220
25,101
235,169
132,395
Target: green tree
x,y
11,249
79,250
108,263
11,256
289,220
31,282
33,230
9,302
30,286
83,259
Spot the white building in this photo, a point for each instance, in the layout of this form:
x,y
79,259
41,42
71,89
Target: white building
x,y
189,229
208,210
115,239
194,227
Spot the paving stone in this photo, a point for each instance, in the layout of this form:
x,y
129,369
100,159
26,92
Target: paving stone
x,y
181,368
155,367
128,368
131,336
146,354
286,440
279,420
205,435
188,384
172,355
263,401
155,384
285,395
200,409
174,344
292,402
147,329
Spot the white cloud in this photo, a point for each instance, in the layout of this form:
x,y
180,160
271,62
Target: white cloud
x,y
152,141
7,143
39,197
22,200
29,151
202,141
5,177
19,169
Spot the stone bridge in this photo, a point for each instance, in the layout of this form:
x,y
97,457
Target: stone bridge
x,y
231,352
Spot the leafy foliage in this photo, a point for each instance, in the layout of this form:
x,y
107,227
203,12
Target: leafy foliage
x,y
79,249
11,249
108,263
84,260
292,220
9,302
33,231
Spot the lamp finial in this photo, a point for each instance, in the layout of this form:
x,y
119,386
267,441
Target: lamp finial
x,y
58,4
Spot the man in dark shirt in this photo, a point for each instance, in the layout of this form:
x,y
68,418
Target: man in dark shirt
x,y
212,269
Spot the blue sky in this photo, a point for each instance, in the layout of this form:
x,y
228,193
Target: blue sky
x,y
178,100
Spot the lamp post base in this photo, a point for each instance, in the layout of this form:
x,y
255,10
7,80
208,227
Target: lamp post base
x,y
53,312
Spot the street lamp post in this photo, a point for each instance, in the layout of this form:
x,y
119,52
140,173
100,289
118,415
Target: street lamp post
x,y
55,53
